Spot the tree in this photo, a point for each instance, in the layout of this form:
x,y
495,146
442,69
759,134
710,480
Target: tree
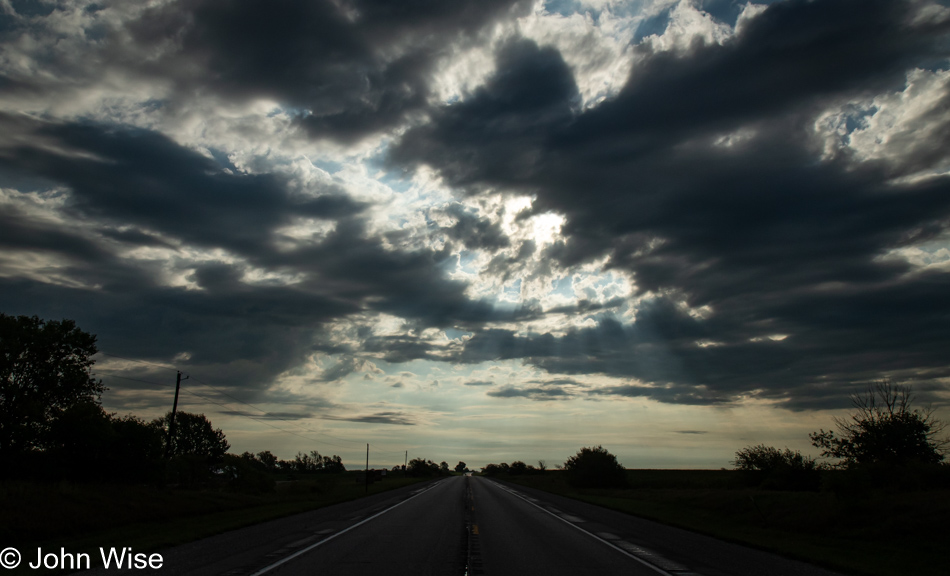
x,y
883,431
194,436
595,468
769,467
461,467
268,460
333,465
44,370
420,467
517,468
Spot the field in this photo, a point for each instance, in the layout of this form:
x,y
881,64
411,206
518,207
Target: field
x,y
82,517
878,533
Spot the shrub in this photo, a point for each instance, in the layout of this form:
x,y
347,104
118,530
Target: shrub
x,y
769,467
595,468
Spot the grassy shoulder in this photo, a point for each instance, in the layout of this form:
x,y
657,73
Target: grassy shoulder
x,y
82,517
877,533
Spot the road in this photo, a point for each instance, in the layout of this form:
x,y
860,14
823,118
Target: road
x,y
467,526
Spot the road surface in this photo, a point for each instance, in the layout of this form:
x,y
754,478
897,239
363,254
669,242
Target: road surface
x,y
467,526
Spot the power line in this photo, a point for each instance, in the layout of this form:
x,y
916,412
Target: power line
x,y
108,375
162,366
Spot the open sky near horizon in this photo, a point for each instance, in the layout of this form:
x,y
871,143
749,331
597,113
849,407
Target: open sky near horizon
x,y
485,230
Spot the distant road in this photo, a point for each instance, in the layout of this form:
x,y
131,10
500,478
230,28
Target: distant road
x,y
474,526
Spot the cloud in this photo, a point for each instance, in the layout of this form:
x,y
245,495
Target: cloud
x,y
386,417
287,416
533,393
351,69
692,206
757,261
479,383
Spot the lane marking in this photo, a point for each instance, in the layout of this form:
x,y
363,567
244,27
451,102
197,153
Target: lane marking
x,y
649,565
270,567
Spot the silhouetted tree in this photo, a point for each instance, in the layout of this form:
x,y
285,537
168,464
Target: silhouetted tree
x,y
460,467
595,468
420,467
517,468
883,431
268,460
769,467
333,465
194,436
44,370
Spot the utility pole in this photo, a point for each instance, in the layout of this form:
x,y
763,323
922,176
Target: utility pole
x,y
366,483
405,466
169,451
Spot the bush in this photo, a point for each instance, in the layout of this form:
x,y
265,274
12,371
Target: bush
x,y
595,468
771,468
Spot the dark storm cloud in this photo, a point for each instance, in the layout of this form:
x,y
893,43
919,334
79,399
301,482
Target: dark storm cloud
x,y
120,187
131,176
398,348
475,232
500,129
350,68
702,178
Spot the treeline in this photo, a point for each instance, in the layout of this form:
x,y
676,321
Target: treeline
x,y
53,427
591,467
883,443
421,467
301,464
516,468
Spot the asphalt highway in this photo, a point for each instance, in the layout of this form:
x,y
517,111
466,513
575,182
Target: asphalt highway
x,y
467,526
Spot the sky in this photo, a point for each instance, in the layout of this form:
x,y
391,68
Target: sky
x,y
486,230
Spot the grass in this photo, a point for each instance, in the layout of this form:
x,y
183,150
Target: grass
x,y
82,517
878,533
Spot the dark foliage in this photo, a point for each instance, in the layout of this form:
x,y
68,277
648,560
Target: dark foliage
x,y
595,467
44,371
309,463
420,467
884,432
771,468
194,436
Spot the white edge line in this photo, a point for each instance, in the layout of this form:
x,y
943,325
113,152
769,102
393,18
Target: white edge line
x,y
270,567
591,534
